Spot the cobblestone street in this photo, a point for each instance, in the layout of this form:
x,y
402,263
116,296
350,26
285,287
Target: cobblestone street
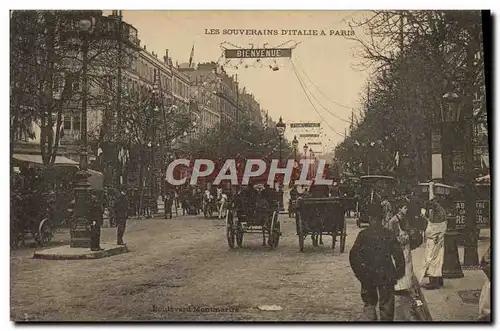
x,y
185,263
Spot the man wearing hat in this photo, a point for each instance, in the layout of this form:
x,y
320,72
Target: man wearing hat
x,y
378,262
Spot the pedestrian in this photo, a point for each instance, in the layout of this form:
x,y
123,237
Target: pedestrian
x,y
387,210
111,205
371,259
485,297
434,245
168,202
404,288
121,217
96,219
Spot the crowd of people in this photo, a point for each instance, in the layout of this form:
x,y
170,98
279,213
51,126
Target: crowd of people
x,y
381,259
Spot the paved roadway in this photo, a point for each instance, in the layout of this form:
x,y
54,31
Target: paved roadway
x,y
186,264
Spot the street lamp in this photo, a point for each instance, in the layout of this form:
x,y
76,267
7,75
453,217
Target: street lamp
x,y
295,144
450,116
281,127
80,233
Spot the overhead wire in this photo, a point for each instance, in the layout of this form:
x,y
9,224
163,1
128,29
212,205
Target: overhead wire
x,y
310,101
317,88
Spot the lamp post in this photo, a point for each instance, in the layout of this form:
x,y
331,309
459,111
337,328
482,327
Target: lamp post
x,y
295,144
80,231
450,116
312,168
305,148
280,127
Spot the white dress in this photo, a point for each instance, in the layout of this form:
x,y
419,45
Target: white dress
x,y
406,282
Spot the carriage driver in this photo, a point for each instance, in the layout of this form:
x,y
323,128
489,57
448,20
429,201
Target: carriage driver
x,y
249,195
270,195
294,193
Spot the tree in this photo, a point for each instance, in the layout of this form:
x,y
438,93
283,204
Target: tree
x,y
46,71
417,57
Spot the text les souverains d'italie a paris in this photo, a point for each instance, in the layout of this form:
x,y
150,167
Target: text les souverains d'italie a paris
x,y
276,32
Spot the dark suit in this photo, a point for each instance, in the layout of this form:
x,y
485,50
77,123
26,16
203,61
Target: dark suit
x,y
121,217
371,261
95,216
270,195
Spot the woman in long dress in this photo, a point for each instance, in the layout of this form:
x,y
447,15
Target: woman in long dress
x,y
409,303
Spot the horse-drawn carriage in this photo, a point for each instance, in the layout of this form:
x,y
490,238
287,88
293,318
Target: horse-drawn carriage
x,y
215,204
319,216
41,197
371,188
258,216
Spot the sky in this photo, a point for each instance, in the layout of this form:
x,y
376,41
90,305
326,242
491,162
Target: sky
x,y
326,65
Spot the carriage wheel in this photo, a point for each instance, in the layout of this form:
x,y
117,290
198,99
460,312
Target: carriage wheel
x,y
45,233
300,227
274,231
239,234
343,236
230,229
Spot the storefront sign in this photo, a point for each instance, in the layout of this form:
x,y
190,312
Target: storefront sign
x,y
482,214
458,163
315,143
304,125
309,135
436,142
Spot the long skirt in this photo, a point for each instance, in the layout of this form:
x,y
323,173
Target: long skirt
x,y
434,249
485,302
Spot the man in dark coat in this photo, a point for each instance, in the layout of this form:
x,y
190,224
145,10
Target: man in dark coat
x,y
371,261
95,218
248,198
269,195
121,217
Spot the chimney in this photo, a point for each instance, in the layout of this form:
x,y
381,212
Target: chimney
x,y
144,47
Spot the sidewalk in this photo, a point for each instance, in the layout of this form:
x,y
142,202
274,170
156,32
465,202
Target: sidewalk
x,y
459,299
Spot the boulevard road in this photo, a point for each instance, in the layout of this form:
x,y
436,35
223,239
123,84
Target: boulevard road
x,y
182,269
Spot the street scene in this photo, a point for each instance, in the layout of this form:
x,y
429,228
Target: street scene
x,y
211,166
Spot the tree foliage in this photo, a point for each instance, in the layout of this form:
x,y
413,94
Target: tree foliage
x,y
415,58
248,139
47,72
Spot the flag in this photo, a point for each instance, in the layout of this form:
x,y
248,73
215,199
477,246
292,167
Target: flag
x,y
191,56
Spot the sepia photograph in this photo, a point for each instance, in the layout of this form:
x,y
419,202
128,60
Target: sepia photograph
x,y
250,165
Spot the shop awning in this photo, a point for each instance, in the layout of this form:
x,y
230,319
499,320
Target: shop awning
x,y
37,159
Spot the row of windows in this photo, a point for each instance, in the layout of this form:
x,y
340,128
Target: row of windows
x,y
208,119
147,71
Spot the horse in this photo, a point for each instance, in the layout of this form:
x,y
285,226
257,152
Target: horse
x,y
208,203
